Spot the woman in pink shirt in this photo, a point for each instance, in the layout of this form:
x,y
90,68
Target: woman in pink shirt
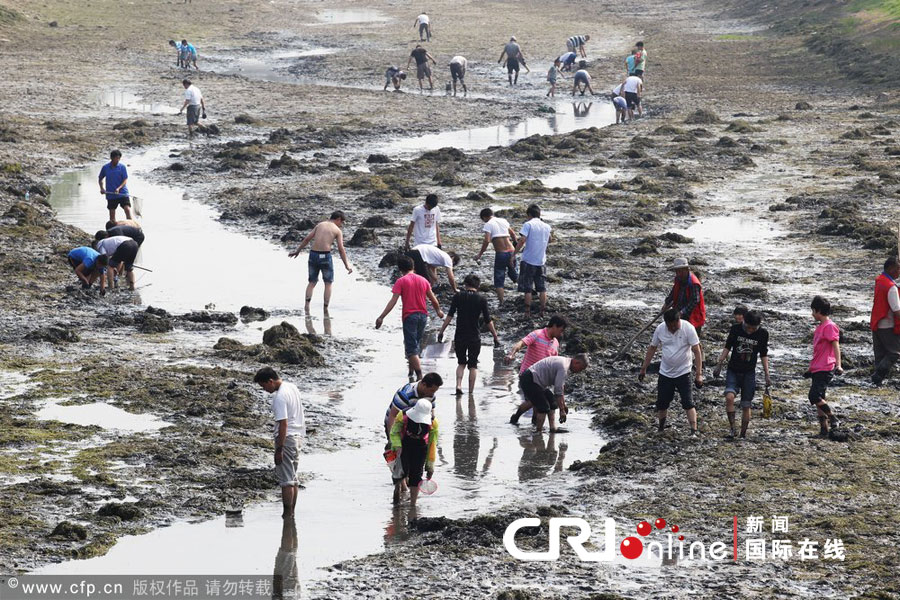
x,y
826,362
540,344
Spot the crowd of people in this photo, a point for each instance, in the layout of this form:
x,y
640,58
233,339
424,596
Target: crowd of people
x,y
410,427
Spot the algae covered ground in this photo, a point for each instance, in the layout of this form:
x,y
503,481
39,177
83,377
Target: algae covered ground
x,y
765,157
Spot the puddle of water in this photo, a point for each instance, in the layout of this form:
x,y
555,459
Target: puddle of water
x,y
568,117
100,414
572,179
732,229
13,384
130,101
340,16
272,66
182,234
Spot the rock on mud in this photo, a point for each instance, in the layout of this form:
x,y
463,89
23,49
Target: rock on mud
x,y
151,323
54,334
70,531
702,117
125,512
377,159
377,221
206,316
363,236
281,343
252,313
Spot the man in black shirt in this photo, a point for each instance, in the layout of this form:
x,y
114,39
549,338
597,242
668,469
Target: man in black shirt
x,y
469,305
113,229
422,69
745,342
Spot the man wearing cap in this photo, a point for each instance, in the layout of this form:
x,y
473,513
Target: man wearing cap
x,y
543,384
514,56
687,295
677,339
885,320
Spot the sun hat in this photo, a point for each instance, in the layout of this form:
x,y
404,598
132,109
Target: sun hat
x,y
680,263
421,412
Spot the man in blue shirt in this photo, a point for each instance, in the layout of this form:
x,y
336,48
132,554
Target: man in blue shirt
x,y
116,176
630,63
89,265
188,55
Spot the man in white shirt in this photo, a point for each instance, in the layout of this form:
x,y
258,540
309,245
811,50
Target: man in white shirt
x,y
677,339
427,259
633,86
290,428
498,232
424,25
194,103
424,225
458,65
534,237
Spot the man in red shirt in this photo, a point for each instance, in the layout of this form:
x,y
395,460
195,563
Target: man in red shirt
x,y
687,295
414,290
885,321
540,344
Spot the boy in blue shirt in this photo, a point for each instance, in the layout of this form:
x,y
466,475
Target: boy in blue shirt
x,y
116,190
89,265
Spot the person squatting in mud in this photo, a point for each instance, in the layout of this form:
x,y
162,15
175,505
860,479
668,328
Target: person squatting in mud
x,y
825,363
89,266
289,431
538,344
414,437
746,341
122,252
468,305
427,259
323,237
413,290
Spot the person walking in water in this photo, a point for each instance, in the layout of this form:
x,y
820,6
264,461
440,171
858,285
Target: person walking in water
x,y
534,238
468,305
458,65
677,339
423,71
746,341
885,320
424,225
115,177
423,23
414,290
289,431
513,53
414,437
194,103
553,74
687,295
577,43
539,344
323,236
498,232
825,363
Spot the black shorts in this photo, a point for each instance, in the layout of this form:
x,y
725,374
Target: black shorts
x,y
456,71
125,253
665,391
632,99
818,388
639,73
512,65
114,203
412,458
541,398
467,352
421,268
531,279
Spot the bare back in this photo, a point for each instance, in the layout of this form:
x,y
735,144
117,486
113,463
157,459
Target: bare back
x,y
502,244
324,235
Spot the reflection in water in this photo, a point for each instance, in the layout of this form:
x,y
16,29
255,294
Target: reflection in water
x,y
582,109
540,457
311,328
466,443
397,529
286,579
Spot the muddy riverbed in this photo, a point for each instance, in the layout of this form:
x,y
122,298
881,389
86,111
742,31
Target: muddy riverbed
x,y
128,431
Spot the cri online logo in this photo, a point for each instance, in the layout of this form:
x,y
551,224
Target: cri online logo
x,y
631,547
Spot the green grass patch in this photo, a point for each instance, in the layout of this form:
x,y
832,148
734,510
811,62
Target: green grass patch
x,y
735,37
890,8
9,16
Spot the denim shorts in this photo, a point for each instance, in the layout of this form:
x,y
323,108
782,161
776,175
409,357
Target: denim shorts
x,y
743,383
531,278
321,262
504,264
413,332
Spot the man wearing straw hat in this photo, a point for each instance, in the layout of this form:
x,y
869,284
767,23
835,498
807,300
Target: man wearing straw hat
x,y
687,295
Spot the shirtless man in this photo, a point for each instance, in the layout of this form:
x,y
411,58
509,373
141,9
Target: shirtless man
x,y
498,232
323,237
